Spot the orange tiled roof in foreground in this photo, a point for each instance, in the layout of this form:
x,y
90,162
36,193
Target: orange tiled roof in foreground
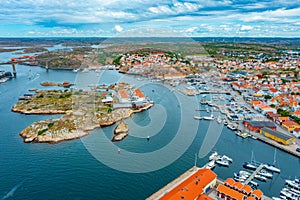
x,y
257,193
204,197
230,192
229,182
192,186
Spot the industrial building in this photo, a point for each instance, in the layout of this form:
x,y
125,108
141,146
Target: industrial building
x,y
278,136
258,125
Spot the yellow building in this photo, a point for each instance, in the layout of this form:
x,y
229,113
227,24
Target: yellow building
x,y
290,125
278,136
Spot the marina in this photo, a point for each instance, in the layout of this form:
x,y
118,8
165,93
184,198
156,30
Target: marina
x,y
22,83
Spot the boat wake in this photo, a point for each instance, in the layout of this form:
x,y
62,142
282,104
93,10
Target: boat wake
x,y
12,191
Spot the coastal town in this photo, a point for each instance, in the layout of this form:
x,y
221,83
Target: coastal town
x,y
255,95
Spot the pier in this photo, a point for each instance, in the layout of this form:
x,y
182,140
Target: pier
x,y
289,149
250,178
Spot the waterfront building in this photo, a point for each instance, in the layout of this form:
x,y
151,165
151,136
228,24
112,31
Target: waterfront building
x,y
194,186
290,125
278,136
258,125
123,96
232,190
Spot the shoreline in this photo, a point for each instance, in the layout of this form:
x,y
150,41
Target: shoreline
x,y
30,135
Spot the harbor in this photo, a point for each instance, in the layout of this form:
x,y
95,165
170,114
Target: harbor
x,y
239,151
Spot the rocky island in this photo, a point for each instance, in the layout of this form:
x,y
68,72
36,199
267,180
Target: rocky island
x,y
82,111
120,132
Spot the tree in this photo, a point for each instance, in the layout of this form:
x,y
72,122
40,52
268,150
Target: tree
x,y
268,97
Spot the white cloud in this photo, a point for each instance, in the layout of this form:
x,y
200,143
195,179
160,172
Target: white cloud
x,y
118,28
246,28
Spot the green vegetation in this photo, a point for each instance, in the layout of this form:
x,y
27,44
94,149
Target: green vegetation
x,y
283,113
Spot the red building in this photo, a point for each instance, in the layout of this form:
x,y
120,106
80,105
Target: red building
x,y
257,125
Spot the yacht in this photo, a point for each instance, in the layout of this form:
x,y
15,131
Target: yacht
x,y
226,158
213,155
260,178
265,174
293,184
271,168
245,173
250,166
76,70
197,117
209,117
222,162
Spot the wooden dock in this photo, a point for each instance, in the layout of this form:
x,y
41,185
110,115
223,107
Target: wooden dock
x,y
250,178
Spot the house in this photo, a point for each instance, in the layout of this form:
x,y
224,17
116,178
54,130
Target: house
x,y
123,96
277,136
290,125
193,187
107,100
232,190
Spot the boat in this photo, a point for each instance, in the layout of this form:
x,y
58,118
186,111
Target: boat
x,y
254,183
222,162
4,79
271,168
289,195
226,158
207,110
209,117
219,120
245,173
291,191
76,70
225,123
265,174
293,184
197,117
250,166
240,177
260,178
210,165
232,127
213,155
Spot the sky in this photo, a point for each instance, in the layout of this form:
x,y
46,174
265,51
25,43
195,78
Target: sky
x,y
112,18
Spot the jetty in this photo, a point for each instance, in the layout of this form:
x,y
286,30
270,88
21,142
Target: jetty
x,y
251,177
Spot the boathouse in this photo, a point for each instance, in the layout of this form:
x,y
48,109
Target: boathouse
x,y
278,136
258,125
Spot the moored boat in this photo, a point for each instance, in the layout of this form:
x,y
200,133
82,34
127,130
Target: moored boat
x,y
222,162
260,178
250,166
213,155
209,117
272,168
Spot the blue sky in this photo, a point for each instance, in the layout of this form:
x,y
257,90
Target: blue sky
x,y
203,18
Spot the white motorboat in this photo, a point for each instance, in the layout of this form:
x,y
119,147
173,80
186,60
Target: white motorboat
x,y
219,120
226,158
210,165
293,184
198,117
245,173
213,155
260,178
222,162
209,117
265,174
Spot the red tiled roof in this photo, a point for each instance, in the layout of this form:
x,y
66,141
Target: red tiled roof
x,y
229,182
192,186
123,94
230,192
257,193
204,197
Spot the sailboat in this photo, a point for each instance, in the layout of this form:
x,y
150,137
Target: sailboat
x,y
271,167
250,165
